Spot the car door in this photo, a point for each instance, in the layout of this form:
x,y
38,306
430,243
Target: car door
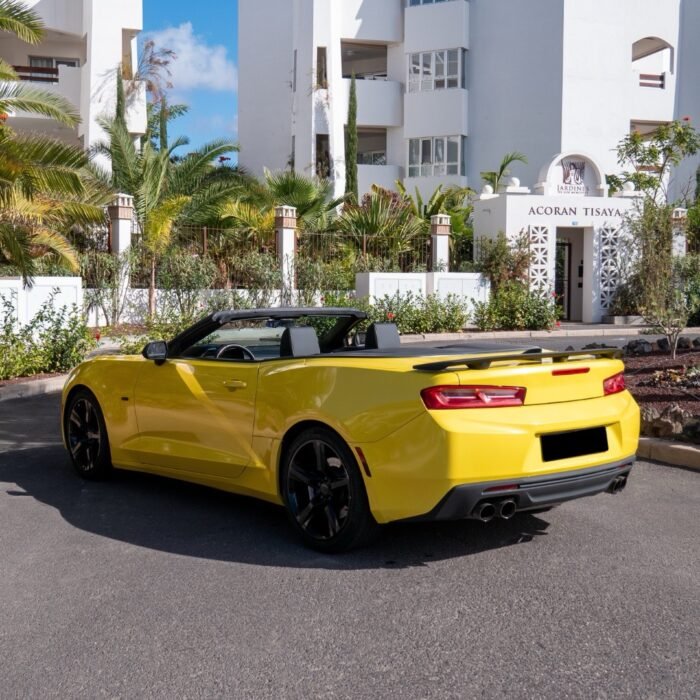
x,y
196,415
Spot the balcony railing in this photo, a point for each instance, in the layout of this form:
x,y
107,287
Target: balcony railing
x,y
37,74
382,75
652,80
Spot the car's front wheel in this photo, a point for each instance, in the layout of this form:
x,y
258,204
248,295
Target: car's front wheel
x,y
86,436
324,493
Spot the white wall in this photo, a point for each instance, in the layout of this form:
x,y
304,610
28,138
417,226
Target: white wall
x,y
601,94
688,102
265,74
515,84
28,300
95,32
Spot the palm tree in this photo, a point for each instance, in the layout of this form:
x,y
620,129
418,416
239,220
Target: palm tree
x,y
45,185
167,191
385,218
494,177
312,197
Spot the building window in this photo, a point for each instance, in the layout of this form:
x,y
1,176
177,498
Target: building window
x,y
321,67
323,156
44,69
371,158
436,70
436,156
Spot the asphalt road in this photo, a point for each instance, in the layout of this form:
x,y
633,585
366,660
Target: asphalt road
x,y
144,587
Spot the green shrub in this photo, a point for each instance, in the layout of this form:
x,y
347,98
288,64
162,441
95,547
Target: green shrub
x,y
55,340
689,270
182,277
515,307
411,313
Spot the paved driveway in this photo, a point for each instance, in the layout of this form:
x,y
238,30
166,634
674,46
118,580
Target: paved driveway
x,y
144,587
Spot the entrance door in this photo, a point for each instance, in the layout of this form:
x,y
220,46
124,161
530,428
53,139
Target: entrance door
x,y
562,278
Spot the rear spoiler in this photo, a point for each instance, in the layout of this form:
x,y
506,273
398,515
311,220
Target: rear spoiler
x,y
484,362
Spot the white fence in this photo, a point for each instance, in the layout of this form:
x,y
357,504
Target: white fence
x,y
26,301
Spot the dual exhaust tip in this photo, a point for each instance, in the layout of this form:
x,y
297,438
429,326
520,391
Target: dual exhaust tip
x,y
487,510
618,483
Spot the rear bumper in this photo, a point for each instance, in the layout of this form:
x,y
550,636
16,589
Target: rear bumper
x,y
529,493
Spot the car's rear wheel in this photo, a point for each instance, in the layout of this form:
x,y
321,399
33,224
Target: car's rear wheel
x,y
86,436
324,493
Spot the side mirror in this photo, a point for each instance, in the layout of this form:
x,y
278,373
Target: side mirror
x,y
157,351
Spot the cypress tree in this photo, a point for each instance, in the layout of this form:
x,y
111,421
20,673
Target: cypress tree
x,y
351,144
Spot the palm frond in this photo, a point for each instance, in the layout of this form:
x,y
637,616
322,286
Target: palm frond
x,y
18,19
58,245
21,97
160,220
7,72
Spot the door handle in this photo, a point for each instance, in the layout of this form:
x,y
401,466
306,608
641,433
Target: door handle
x,y
235,384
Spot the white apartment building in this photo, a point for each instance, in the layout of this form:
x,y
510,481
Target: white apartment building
x,y
446,87
84,43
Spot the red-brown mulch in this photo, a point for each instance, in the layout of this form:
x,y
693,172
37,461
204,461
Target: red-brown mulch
x,y
642,368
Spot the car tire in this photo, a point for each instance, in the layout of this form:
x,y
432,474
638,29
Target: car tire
x,y
324,493
86,436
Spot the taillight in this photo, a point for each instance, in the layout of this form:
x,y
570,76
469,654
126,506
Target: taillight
x,y
441,397
614,384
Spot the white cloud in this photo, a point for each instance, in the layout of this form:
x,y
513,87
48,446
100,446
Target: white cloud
x,y
198,65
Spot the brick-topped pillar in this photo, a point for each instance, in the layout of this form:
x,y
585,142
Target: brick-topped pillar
x,y
121,214
286,239
440,232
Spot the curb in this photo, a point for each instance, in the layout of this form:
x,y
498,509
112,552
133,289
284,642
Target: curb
x,y
673,453
23,390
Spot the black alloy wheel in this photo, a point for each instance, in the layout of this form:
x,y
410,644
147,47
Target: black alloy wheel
x,y
86,436
324,492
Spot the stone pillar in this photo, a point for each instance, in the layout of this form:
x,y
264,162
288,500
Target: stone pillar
x,y
286,240
440,232
679,220
121,214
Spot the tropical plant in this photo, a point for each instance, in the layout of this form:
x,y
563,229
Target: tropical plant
x,y
351,188
385,216
494,177
166,192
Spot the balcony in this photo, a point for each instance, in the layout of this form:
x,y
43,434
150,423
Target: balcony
x,y
652,96
372,20
438,25
436,112
382,175
379,102
63,80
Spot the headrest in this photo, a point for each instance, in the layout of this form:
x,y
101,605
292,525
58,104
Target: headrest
x,y
382,336
299,341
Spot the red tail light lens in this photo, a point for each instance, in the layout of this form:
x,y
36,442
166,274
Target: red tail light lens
x,y
442,397
614,384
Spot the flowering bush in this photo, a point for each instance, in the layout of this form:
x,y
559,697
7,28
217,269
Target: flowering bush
x,y
515,308
55,340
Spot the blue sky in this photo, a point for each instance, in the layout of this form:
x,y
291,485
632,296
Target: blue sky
x,y
204,35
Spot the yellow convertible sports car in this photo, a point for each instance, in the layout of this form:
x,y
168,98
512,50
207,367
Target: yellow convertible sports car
x,y
349,429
